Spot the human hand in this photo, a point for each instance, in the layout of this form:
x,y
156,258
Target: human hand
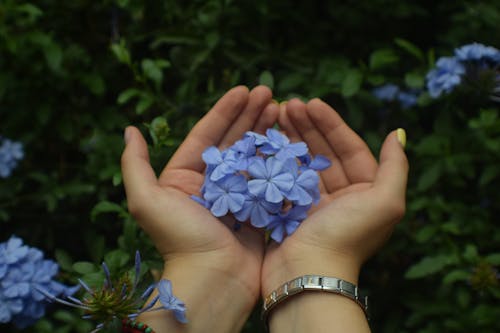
x,y
205,259
361,200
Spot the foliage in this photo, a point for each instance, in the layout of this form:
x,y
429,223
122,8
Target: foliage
x,y
73,74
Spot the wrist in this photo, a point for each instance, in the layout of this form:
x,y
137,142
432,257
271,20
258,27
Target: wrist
x,y
316,262
206,287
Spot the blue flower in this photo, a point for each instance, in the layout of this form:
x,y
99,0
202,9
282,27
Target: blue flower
x,y
24,271
220,164
226,195
303,185
118,299
258,210
407,99
445,76
257,177
280,145
477,52
244,150
270,179
10,154
170,302
387,92
286,223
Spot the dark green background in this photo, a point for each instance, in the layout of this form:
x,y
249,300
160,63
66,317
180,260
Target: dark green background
x,y
73,74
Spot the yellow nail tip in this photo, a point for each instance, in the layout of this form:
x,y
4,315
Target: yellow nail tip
x,y
401,134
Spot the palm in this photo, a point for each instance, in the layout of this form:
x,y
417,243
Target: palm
x,y
338,223
179,226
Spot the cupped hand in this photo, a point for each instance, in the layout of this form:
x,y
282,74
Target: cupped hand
x,y
361,200
186,234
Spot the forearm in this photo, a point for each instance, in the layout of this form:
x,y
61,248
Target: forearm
x,y
215,301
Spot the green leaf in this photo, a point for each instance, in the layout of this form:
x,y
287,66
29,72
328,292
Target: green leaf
x,y
266,79
456,275
117,178
429,177
415,80
121,52
126,95
429,265
84,267
63,259
159,131
493,259
95,83
470,253
424,234
105,207
382,58
152,71
144,103
64,316
351,83
290,82
410,48
116,259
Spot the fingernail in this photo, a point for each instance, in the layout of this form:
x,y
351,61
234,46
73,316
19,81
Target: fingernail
x,y
126,135
275,102
401,135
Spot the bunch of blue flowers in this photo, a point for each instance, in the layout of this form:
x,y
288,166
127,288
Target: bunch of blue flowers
x,y
391,92
23,271
469,63
11,153
120,299
264,179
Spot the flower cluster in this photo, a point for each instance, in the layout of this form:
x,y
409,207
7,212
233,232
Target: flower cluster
x,y
449,72
10,154
391,92
120,299
264,179
23,271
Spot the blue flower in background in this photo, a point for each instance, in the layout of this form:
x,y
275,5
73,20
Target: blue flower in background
x,y
10,154
119,298
445,76
477,52
23,271
387,92
407,99
391,92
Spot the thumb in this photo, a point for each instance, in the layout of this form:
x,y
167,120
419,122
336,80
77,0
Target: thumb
x,y
138,175
392,174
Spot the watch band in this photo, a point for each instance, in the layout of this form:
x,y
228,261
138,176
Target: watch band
x,y
313,283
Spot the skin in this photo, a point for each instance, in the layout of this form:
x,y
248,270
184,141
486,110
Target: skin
x,y
221,274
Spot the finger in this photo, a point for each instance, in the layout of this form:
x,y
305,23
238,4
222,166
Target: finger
x,y
267,118
258,99
210,130
138,175
392,175
334,177
286,124
357,161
